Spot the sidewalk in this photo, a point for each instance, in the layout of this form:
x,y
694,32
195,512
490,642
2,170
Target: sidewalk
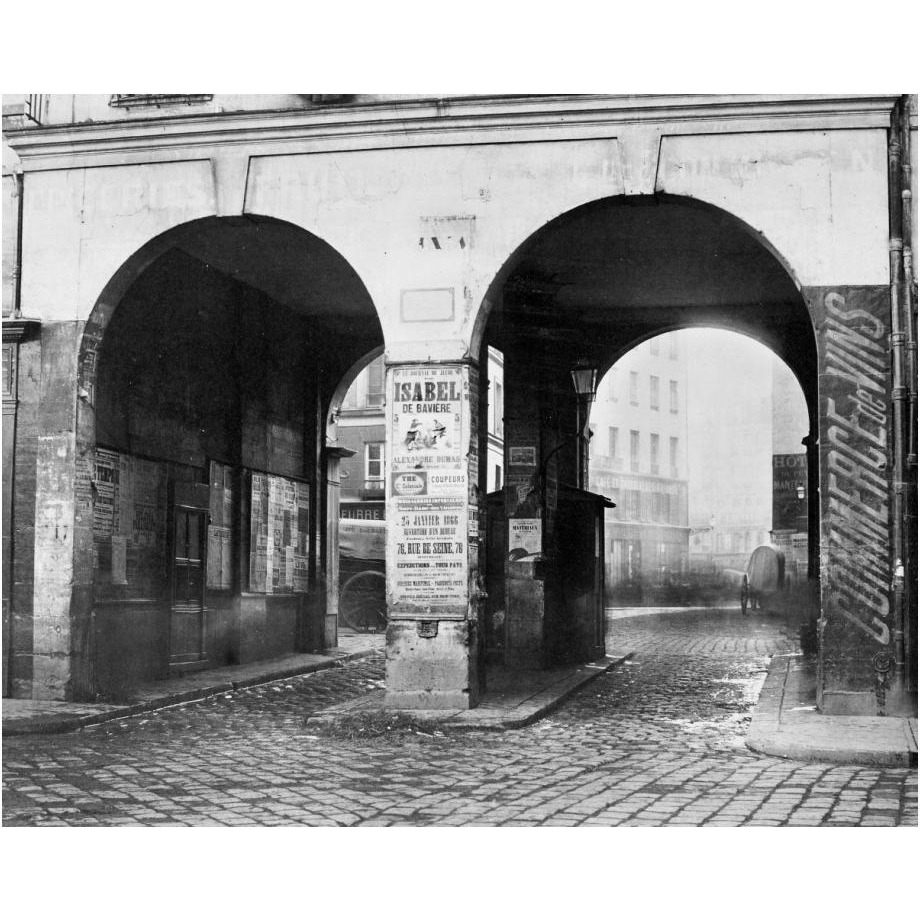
x,y
512,699
26,717
786,723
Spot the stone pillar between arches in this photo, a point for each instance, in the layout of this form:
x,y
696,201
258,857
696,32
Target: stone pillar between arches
x,y
432,644
858,618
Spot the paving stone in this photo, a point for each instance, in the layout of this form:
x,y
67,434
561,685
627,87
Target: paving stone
x,y
658,742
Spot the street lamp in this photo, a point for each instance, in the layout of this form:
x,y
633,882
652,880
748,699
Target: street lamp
x,y
584,379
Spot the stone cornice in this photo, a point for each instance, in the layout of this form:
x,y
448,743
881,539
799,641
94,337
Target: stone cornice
x,y
436,122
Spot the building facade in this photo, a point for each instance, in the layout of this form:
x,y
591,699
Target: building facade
x,y
639,459
192,283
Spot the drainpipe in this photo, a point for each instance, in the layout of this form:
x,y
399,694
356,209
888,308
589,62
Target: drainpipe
x,y
907,289
908,625
899,392
11,536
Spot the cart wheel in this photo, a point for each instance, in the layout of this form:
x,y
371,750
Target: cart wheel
x,y
745,594
362,604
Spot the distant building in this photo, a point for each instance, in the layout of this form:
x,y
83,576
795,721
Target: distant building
x,y
790,470
748,412
639,459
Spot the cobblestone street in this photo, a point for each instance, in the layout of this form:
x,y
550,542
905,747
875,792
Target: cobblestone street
x,y
656,741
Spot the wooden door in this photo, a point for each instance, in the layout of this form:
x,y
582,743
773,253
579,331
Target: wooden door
x,y
186,634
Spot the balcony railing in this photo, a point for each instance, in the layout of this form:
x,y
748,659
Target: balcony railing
x,y
373,488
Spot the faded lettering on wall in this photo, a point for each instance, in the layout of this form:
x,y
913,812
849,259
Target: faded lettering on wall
x,y
856,517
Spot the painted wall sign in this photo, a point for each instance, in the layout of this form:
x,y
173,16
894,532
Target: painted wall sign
x,y
854,434
362,511
427,564
790,474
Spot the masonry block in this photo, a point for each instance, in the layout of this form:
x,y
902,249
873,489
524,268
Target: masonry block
x,y
431,670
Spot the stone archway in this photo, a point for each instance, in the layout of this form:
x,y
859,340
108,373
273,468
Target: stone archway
x,y
596,280
206,370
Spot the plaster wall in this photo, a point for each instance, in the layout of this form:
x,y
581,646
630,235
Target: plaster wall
x,y
440,221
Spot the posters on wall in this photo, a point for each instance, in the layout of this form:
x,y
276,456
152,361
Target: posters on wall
x,y
525,535
427,566
220,530
129,523
279,535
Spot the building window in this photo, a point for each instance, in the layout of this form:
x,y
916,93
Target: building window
x,y
612,384
634,387
634,451
653,345
675,470
654,444
613,442
672,388
633,510
672,347
497,409
653,392
375,375
374,459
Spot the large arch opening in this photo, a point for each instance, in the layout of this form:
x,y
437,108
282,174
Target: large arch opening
x,y
207,371
583,291
699,436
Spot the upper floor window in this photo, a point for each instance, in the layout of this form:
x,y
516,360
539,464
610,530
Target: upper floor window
x,y
634,451
634,387
374,458
653,345
672,346
653,392
375,375
613,445
672,386
497,408
654,453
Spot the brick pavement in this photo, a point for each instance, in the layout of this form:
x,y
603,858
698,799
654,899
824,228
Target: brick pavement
x,y
658,741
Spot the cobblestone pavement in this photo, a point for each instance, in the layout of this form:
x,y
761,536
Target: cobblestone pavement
x,y
659,741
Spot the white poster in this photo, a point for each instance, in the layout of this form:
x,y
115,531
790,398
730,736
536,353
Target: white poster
x,y
427,566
